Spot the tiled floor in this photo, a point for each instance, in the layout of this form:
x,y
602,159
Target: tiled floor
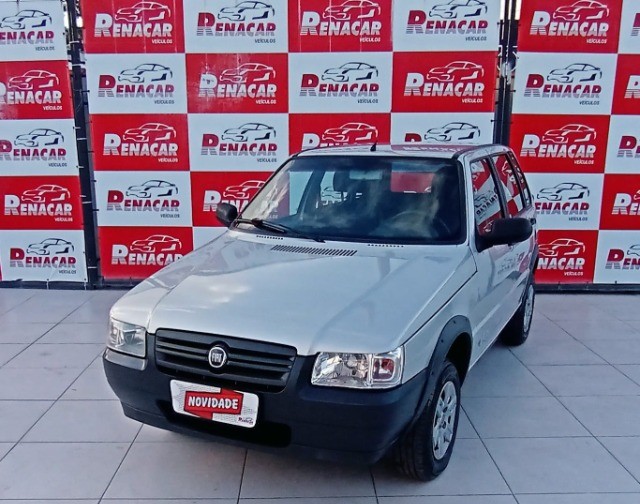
x,y
556,421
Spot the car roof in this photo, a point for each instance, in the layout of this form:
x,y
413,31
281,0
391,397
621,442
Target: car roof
x,y
444,151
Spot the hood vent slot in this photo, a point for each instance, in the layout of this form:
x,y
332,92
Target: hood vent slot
x,y
314,250
386,245
269,237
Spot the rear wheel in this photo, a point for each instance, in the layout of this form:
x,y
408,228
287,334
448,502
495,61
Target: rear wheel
x,y
423,452
517,330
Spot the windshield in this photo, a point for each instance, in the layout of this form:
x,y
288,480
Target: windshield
x,y
364,198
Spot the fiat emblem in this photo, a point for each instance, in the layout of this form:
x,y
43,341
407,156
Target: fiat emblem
x,y
217,357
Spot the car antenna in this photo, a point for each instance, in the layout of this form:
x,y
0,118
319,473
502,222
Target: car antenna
x,y
373,147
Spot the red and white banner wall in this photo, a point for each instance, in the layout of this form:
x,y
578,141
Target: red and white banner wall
x,y
576,128
194,103
41,236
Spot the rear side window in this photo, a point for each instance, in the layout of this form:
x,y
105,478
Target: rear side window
x,y
510,187
523,183
486,201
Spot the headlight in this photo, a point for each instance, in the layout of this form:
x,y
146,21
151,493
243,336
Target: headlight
x,y
368,371
126,338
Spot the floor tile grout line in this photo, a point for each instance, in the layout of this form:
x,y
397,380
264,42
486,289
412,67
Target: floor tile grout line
x,y
373,482
244,465
126,453
21,303
578,420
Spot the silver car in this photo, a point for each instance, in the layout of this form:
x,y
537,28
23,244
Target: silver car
x,y
340,328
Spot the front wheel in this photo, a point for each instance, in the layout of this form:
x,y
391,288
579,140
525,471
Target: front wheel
x,y
423,452
517,330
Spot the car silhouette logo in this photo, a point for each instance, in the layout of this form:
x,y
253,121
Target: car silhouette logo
x,y
248,73
576,72
217,357
243,191
570,134
33,80
453,132
143,12
250,132
247,11
50,246
351,133
155,244
564,192
459,9
456,71
150,133
352,10
147,72
634,250
350,72
152,189
27,19
583,10
46,193
40,137
562,247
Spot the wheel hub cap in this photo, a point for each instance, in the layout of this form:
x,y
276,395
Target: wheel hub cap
x,y
444,420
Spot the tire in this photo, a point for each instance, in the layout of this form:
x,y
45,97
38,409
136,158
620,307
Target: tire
x,y
517,329
415,454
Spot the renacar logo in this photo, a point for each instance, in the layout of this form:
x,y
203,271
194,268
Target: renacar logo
x,y
454,17
150,196
154,250
619,260
584,18
250,139
238,195
564,254
252,19
148,80
635,29
49,253
629,147
458,78
40,144
627,204
49,200
27,27
33,87
141,20
573,141
458,132
350,133
248,80
565,199
633,87
149,139
353,79
360,18
573,81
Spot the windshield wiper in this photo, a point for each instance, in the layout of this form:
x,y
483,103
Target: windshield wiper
x,y
278,228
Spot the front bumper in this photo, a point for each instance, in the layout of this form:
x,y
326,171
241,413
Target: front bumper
x,y
329,424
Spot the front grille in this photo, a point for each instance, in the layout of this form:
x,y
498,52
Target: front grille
x,y
251,365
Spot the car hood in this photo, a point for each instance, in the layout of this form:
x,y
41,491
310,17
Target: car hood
x,y
336,70
131,71
234,131
251,287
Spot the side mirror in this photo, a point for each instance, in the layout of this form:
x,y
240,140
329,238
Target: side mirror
x,y
226,213
506,232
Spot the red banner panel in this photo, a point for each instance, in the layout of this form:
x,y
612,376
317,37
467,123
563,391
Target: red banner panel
x,y
566,256
560,143
324,25
140,142
35,90
137,252
40,203
237,82
444,82
570,26
208,189
133,26
621,202
307,131
626,94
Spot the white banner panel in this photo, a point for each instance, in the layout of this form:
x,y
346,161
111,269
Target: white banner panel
x,y
238,142
472,129
623,150
618,257
567,83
